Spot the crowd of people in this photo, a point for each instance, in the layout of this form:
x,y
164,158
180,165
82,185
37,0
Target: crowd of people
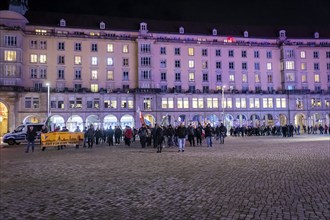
x,y
158,136
288,130
161,136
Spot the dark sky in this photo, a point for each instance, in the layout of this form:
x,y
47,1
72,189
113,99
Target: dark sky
x,y
252,12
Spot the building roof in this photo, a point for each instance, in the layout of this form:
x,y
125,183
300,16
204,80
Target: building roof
x,y
172,27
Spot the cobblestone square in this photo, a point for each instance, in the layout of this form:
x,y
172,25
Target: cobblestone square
x,y
246,178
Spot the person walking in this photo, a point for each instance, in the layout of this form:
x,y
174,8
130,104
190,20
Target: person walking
x,y
191,135
31,135
110,134
118,134
159,138
208,135
128,135
181,133
90,134
222,133
142,132
199,132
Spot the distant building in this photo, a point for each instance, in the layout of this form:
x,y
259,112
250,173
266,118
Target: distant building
x,y
103,70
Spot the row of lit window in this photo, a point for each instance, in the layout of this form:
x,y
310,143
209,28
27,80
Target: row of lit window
x,y
185,103
146,61
146,75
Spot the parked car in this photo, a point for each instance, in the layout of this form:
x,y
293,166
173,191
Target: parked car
x,y
19,134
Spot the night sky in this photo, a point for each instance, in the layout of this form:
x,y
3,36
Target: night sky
x,y
252,12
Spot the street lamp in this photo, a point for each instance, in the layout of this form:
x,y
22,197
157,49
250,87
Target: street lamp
x,y
48,95
223,104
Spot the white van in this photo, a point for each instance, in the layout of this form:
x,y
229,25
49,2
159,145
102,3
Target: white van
x,y
19,134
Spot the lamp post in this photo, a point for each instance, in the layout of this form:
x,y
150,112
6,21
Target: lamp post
x,y
48,96
223,104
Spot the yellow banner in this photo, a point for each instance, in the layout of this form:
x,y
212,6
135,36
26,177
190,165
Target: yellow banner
x,y
61,138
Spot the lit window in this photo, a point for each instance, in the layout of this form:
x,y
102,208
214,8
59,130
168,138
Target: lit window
x,y
182,103
94,74
231,77
94,87
269,66
179,103
109,61
185,103
77,60
94,61
191,51
41,32
43,58
33,58
302,54
303,78
254,103
228,103
317,78
212,103
191,76
147,103
197,103
110,75
10,55
238,103
125,48
167,103
257,78
110,48
191,63
283,102
289,65
244,78
303,66
267,102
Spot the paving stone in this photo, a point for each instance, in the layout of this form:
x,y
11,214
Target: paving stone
x,y
246,178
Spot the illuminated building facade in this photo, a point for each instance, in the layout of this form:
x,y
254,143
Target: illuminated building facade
x,y
101,70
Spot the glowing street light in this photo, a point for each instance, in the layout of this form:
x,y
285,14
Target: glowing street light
x,y
223,104
48,96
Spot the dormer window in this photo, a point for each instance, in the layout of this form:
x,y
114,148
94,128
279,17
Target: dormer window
x,y
282,34
214,32
316,35
246,34
102,25
181,30
62,23
143,27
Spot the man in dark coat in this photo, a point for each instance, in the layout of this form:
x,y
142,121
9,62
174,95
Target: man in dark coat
x,y
31,135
